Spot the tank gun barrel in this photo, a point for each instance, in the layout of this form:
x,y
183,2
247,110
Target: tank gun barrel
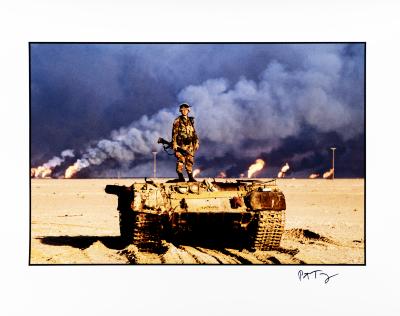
x,y
115,189
125,196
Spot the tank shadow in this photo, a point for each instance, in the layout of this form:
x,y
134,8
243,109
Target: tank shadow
x,y
83,242
118,243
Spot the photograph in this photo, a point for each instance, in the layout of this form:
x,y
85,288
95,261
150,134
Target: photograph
x,y
197,153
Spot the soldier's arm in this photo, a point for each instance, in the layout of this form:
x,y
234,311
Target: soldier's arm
x,y
175,127
196,139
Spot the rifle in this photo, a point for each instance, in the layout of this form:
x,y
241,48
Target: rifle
x,y
166,144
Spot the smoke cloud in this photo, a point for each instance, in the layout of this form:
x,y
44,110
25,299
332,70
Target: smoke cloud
x,y
283,103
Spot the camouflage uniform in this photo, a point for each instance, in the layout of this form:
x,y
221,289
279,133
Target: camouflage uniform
x,y
184,136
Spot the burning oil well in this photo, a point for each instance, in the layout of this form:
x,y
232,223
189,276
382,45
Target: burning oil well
x,y
278,103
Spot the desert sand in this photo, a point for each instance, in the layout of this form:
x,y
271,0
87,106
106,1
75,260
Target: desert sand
x,y
73,221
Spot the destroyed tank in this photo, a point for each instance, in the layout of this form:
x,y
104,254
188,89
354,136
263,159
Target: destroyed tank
x,y
246,214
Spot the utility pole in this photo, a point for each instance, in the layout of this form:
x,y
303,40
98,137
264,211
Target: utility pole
x,y
155,164
333,162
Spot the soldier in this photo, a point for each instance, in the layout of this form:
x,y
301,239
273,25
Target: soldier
x,y
184,136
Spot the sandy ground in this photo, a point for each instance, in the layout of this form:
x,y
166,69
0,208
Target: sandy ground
x,y
76,222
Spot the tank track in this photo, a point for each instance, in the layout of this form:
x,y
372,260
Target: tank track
x,y
146,233
269,230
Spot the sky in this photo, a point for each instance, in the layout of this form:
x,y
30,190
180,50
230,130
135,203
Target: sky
x,y
102,107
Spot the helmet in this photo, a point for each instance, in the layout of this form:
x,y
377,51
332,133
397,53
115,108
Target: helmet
x,y
184,105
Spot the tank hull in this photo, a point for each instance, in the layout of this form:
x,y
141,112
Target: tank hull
x,y
218,214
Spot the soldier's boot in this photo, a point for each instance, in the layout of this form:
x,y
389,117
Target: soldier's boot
x,y
180,177
191,179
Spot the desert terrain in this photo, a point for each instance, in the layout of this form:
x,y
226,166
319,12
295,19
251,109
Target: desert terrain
x,y
73,221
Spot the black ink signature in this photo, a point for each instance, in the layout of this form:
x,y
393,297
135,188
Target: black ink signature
x,y
316,273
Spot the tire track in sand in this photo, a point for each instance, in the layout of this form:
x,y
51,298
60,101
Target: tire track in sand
x,y
244,257
219,256
135,256
176,255
199,256
279,256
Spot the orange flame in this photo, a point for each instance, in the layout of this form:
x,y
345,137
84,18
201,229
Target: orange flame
x,y
328,174
255,167
196,172
45,170
41,172
313,176
285,168
71,170
283,171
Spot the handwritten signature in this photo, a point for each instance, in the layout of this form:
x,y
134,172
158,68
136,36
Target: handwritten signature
x,y
316,273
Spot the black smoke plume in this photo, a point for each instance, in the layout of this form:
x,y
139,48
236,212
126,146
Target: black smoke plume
x,y
282,103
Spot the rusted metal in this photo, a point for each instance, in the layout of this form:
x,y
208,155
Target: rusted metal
x,y
248,214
